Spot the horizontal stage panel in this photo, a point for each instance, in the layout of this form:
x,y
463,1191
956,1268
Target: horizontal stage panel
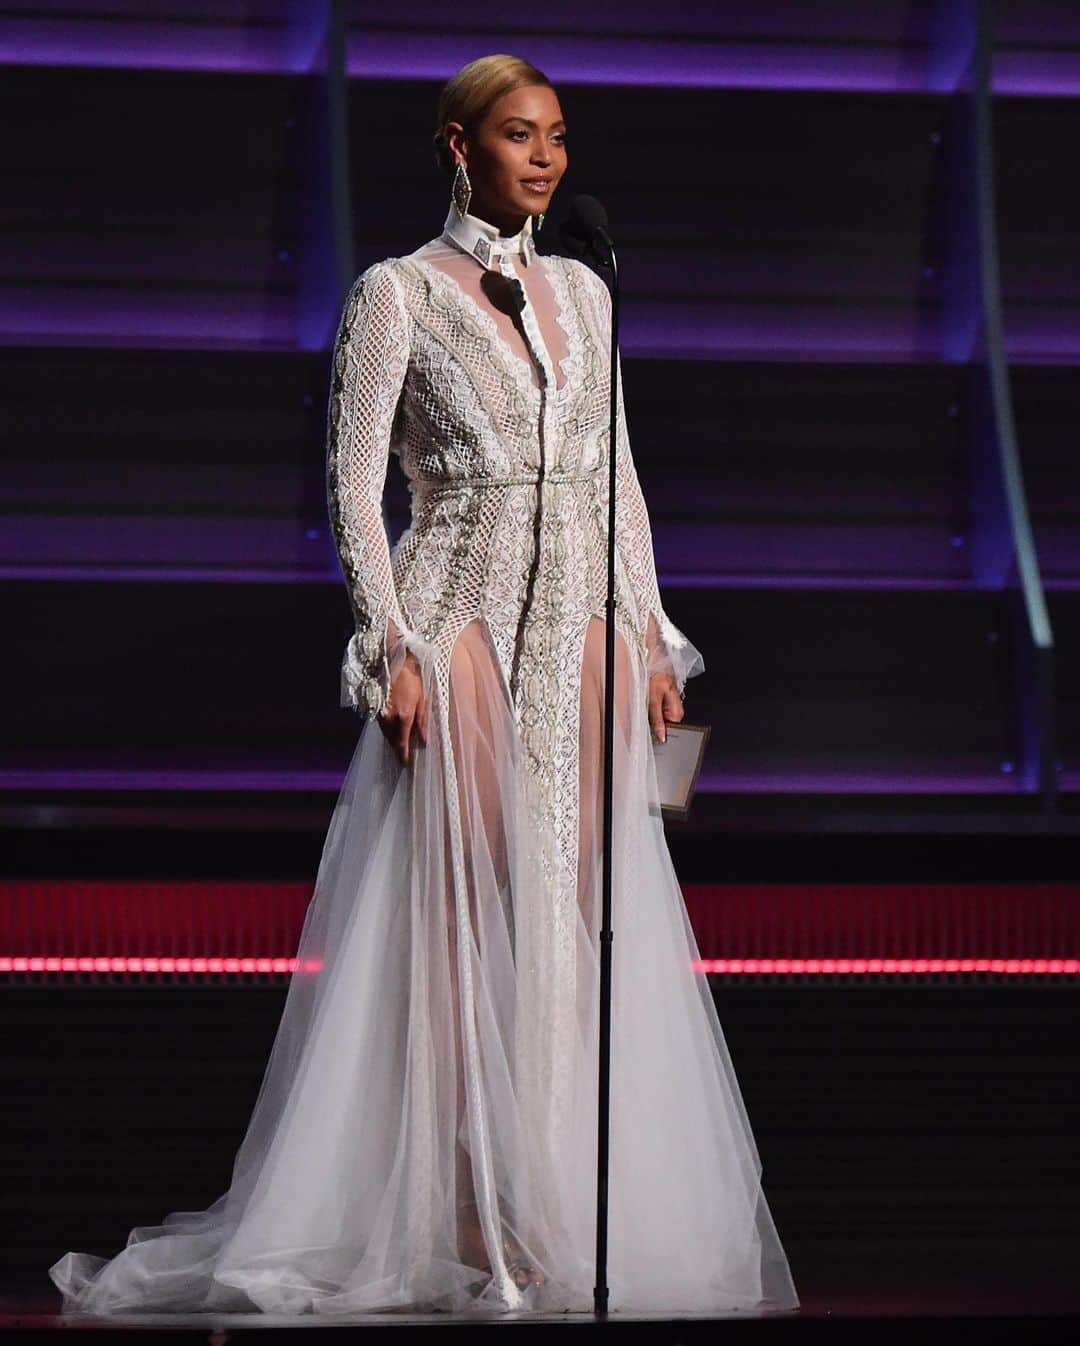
x,y
772,333
690,553
147,317
841,45
842,679
192,771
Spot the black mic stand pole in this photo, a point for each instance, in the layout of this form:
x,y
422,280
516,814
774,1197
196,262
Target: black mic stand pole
x,y
600,1290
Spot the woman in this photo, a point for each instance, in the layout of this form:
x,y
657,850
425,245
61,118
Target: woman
x,y
425,1135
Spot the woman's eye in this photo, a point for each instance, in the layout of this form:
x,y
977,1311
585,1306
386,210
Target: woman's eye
x,y
559,136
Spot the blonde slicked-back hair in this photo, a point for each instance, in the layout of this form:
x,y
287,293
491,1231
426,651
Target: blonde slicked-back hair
x,y
469,96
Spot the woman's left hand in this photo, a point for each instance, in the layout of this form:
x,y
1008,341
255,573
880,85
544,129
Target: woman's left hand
x,y
665,704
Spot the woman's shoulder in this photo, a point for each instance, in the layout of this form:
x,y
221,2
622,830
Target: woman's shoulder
x,y
385,271
376,300
381,282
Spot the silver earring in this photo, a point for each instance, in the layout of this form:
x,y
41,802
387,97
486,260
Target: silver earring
x,y
539,222
461,190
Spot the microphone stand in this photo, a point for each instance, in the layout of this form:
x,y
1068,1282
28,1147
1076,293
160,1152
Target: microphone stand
x,y
587,231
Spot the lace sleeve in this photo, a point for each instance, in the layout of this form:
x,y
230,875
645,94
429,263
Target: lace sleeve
x,y
666,648
370,357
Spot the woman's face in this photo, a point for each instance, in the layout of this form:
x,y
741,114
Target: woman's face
x,y
521,141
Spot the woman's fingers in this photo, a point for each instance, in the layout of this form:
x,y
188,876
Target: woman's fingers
x,y
665,705
656,713
405,728
408,723
418,726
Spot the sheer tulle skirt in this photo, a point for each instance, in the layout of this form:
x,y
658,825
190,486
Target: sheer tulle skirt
x,y
428,1112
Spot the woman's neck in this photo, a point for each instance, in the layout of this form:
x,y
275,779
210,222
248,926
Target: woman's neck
x,y
507,225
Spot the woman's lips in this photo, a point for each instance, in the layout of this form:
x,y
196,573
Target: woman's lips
x,y
538,185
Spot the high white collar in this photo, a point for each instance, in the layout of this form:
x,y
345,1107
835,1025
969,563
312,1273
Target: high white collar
x,y
484,242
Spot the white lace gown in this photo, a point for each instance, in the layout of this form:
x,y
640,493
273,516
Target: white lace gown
x,y
428,1113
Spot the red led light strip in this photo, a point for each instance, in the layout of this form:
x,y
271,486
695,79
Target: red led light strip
x,y
1022,967
164,964
783,967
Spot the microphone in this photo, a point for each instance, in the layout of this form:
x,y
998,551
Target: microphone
x,y
515,294
506,292
586,229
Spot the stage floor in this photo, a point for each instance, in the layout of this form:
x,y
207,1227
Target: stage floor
x,y
998,1311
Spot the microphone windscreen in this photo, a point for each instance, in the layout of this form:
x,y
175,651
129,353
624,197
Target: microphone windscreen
x,y
587,215
516,294
586,229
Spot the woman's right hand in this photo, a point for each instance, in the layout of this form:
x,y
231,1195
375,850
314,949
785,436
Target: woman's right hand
x,y
405,719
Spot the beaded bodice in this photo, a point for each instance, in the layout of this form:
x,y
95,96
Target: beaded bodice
x,y
490,383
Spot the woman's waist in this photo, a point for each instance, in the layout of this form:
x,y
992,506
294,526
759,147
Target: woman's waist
x,y
555,477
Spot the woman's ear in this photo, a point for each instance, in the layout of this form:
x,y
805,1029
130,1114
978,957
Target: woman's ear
x,y
455,139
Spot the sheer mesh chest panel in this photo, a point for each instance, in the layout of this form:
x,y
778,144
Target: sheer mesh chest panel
x,y
486,289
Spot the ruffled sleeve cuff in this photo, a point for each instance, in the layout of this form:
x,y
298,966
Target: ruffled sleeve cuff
x,y
671,652
370,665
365,673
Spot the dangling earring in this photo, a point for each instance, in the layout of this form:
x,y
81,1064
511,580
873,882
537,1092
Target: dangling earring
x,y
539,222
461,190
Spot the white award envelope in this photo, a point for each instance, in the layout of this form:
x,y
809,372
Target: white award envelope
x,y
678,760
